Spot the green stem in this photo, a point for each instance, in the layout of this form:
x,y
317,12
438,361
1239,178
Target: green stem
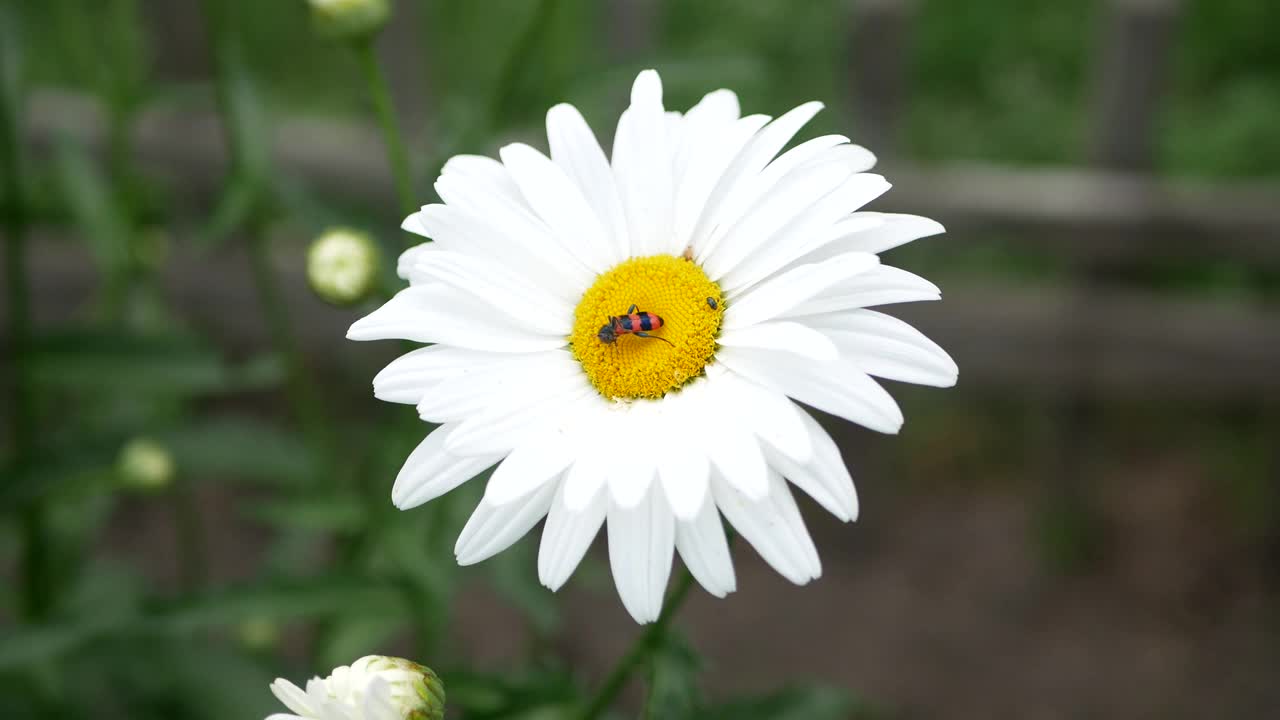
x,y
36,583
505,91
192,554
380,94
640,651
503,99
303,397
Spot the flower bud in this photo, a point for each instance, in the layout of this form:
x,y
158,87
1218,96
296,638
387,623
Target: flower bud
x,y
349,19
144,464
342,266
258,633
374,687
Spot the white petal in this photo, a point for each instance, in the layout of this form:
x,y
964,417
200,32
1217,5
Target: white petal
x,y
495,388
882,285
496,228
809,232
702,545
825,478
729,201
773,526
765,412
840,388
494,528
642,166
641,540
887,347
437,314
557,200
407,378
410,257
855,157
499,286
783,204
487,176
894,230
500,428
567,536
527,467
293,697
703,124
708,162
377,701
431,471
597,431
683,466
630,480
575,149
729,443
785,336
779,294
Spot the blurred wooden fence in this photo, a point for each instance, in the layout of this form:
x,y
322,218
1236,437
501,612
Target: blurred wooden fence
x,y
1113,216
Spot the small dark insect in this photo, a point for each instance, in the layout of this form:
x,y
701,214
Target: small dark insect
x,y
633,323
711,303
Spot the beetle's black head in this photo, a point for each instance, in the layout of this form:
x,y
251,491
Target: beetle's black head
x,y
607,334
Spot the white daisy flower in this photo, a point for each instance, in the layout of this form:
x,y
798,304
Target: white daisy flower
x,y
374,687
536,292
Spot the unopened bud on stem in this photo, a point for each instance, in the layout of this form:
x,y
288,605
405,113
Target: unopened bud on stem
x,y
342,266
374,687
354,20
144,464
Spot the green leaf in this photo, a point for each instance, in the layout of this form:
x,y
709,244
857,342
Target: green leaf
x,y
127,50
239,448
236,204
242,106
357,634
92,360
31,644
285,601
514,575
537,695
63,467
674,669
95,209
311,511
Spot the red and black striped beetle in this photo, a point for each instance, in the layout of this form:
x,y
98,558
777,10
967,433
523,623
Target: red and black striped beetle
x,y
633,323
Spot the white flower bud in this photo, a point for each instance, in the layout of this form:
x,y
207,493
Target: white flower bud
x,y
144,464
342,266
349,19
374,687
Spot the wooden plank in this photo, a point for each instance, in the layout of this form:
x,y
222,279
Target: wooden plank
x,y
1130,78
630,27
1070,213
878,71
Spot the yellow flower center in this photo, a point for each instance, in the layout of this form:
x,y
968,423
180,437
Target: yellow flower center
x,y
664,286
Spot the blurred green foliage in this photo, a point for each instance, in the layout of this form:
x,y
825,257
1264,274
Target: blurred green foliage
x,y
343,573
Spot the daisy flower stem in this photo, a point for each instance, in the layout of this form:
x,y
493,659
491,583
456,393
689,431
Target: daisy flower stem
x,y
640,651
36,580
380,95
302,392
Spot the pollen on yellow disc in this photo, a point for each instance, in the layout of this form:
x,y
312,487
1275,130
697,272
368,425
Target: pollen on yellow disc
x,y
670,287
